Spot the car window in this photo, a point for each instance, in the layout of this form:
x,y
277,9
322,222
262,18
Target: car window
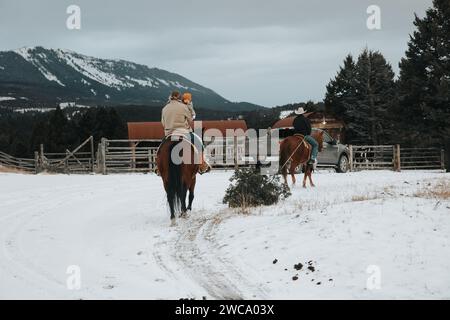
x,y
327,138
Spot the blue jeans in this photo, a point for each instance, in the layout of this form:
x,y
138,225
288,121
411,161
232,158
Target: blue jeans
x,y
196,141
314,145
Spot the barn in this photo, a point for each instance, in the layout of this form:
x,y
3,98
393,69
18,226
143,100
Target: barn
x,y
319,120
219,151
155,130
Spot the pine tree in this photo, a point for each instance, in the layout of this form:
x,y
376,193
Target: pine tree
x,y
375,93
57,124
361,95
424,83
341,89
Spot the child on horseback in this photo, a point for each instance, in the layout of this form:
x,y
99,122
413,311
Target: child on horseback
x,y
176,118
302,126
187,100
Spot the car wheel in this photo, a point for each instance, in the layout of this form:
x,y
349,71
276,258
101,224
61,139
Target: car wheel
x,y
343,164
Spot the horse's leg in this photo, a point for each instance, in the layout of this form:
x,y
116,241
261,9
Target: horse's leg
x,y
191,194
171,205
305,175
284,160
310,176
308,173
184,186
284,173
183,202
172,212
292,172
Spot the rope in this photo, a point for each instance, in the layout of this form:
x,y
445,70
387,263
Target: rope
x,y
293,153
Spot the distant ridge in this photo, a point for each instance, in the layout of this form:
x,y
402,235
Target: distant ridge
x,y
38,75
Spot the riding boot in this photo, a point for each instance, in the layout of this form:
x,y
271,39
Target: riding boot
x,y
313,162
204,166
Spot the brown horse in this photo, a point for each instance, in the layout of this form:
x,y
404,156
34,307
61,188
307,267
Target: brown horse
x,y
295,151
177,163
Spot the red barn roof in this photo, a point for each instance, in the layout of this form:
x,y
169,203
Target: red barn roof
x,y
145,130
155,130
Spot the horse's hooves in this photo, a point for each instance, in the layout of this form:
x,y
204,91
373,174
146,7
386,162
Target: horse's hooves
x,y
313,185
184,215
173,222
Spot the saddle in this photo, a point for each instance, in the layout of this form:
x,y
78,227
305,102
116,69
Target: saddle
x,y
178,136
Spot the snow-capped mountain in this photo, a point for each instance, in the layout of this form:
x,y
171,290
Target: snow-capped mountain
x,y
37,74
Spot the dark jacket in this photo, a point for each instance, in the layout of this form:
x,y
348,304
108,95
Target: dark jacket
x,y
302,125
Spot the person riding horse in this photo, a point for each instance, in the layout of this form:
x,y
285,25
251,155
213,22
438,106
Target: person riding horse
x,y
176,119
302,126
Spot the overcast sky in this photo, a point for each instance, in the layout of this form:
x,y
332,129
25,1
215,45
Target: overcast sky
x,y
269,52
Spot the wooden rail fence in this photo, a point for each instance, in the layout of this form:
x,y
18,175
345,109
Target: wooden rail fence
x,y
21,164
370,157
126,156
80,160
121,156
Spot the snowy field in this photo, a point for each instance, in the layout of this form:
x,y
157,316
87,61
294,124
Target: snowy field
x,y
366,235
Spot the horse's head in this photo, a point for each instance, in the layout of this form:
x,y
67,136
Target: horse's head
x,y
318,135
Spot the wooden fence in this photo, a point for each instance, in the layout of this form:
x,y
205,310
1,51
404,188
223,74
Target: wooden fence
x,y
121,156
422,158
393,157
80,160
227,152
21,164
125,156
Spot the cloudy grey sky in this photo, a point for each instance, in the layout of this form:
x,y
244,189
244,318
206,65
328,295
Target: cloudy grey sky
x,y
269,52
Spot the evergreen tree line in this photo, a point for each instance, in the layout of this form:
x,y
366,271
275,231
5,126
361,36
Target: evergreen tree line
x,y
21,135
413,109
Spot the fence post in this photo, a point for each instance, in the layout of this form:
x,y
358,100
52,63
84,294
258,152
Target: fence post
x,y
133,155
41,156
92,155
36,162
150,160
99,158
443,159
350,161
66,163
397,159
235,151
103,155
224,151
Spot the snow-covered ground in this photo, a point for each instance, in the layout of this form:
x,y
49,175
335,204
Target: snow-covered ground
x,y
358,235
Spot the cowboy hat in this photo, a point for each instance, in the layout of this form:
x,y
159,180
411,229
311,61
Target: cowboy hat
x,y
300,110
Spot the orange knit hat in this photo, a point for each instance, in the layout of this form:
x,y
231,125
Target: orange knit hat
x,y
187,97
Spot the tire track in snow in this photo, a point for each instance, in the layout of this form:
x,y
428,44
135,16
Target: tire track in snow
x,y
33,208
12,260
197,252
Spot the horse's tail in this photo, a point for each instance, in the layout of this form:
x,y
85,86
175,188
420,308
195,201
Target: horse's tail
x,y
175,185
